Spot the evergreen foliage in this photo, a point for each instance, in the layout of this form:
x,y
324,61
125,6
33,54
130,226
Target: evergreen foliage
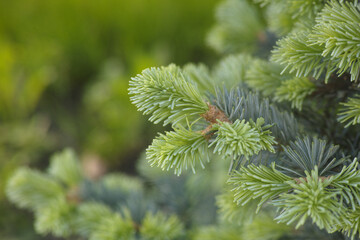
x,y
310,198
180,149
66,210
275,157
162,92
64,82
253,182
272,121
350,112
306,153
297,55
337,32
240,104
295,91
242,138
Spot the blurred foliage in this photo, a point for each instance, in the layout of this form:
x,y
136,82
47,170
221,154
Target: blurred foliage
x,y
155,205
64,71
112,125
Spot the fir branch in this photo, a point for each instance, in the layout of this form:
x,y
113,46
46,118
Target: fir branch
x,y
167,94
350,223
296,55
230,102
262,158
242,104
180,149
337,29
348,182
258,182
266,139
295,90
306,153
242,138
349,112
311,198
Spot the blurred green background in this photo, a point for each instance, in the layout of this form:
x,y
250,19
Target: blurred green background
x,y
64,72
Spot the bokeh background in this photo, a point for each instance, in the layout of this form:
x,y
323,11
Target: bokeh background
x,y
64,72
